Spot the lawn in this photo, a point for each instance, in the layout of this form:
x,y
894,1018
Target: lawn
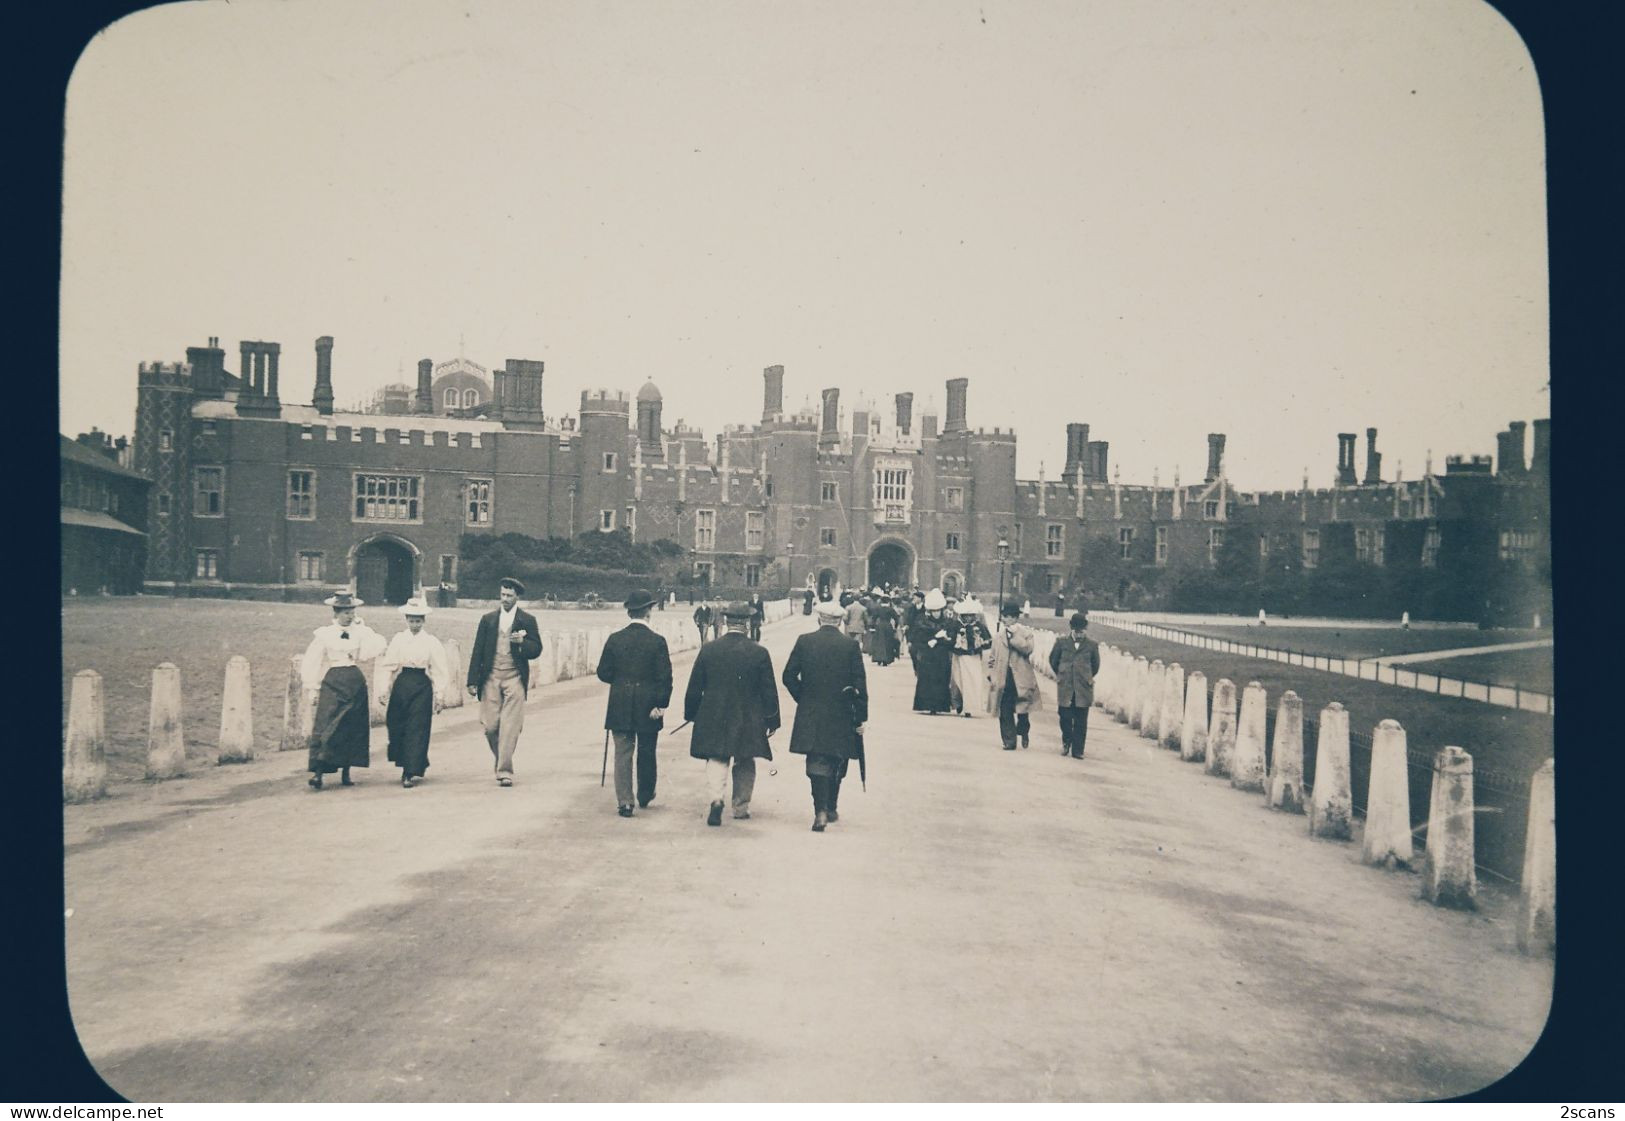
x,y
123,639
1363,642
1529,669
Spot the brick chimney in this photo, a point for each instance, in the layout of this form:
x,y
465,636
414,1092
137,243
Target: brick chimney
x,y
1215,455
955,419
1077,453
1541,463
208,369
830,435
905,412
424,401
323,397
772,392
1373,458
519,393
1510,461
1346,476
258,393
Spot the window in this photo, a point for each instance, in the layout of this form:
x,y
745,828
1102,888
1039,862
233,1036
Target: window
x,y
208,564
302,495
1369,545
1215,542
310,568
767,486
1311,548
952,543
609,462
753,575
631,522
755,530
1125,541
209,492
388,498
1162,545
1210,508
448,568
470,398
166,440
826,536
1430,547
209,428
702,573
1054,540
827,492
479,501
453,399
954,498
606,520
1518,545
892,493
1052,582
893,483
163,504
705,530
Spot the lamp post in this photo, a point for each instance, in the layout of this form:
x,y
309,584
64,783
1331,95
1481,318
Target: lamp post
x,y
1004,551
789,568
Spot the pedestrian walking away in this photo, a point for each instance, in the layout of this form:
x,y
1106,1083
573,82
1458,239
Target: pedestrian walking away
x,y
334,684
883,639
857,622
932,640
733,701
1075,660
1013,687
970,655
758,615
824,675
414,675
636,665
499,674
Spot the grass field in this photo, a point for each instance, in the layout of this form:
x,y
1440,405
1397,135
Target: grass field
x,y
124,639
1364,642
1530,669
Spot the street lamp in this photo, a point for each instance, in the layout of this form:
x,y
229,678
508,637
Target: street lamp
x,y
1004,551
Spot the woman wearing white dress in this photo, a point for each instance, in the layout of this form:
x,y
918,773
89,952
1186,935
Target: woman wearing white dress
x,y
414,674
334,683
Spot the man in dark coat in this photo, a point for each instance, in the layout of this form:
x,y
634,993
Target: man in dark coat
x,y
883,631
807,598
1075,660
499,674
758,615
824,675
734,704
703,619
636,665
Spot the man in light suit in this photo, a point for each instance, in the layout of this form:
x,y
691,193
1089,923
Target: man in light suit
x,y
499,674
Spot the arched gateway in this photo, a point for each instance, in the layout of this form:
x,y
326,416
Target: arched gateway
x,y
891,562
384,568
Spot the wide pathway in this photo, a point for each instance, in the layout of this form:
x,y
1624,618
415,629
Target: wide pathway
x,y
980,925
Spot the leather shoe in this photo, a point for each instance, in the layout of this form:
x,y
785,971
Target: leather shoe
x,y
316,781
625,811
715,816
832,817
643,803
819,821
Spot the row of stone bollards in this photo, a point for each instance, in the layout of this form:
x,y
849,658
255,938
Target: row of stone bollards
x,y
566,654
1167,706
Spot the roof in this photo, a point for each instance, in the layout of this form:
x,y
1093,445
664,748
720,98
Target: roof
x,y
89,457
209,409
649,392
95,519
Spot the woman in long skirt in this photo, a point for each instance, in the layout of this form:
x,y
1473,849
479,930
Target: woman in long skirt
x,y
932,640
883,644
970,653
414,674
334,683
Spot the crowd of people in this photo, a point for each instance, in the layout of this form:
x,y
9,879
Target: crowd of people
x,y
961,666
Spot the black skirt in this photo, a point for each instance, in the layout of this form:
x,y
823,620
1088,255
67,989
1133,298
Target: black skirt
x,y
409,718
340,737
933,668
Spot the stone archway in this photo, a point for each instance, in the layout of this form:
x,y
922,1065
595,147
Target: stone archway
x,y
828,581
384,569
953,584
891,561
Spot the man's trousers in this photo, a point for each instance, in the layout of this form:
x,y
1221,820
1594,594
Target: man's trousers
x,y
744,772
645,744
1074,728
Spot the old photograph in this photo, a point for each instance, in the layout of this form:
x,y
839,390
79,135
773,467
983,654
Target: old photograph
x,y
719,551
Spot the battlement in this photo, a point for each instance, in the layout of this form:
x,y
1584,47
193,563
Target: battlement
x,y
165,373
997,436
605,401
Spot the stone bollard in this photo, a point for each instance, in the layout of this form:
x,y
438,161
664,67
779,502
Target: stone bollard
x,y
1537,910
582,666
1136,705
166,735
565,645
237,714
84,753
1221,737
1193,728
1387,839
293,699
1286,755
1173,707
1331,804
457,690
1247,760
1448,876
1405,620
1156,677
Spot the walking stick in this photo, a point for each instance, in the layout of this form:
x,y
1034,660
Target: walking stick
x,y
605,772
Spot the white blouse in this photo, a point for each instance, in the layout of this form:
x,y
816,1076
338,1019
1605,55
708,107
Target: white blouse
x,y
328,650
414,651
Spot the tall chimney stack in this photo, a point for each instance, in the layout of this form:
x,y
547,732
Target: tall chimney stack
x,y
1510,461
1373,458
1346,476
323,397
955,420
1541,463
772,392
1077,453
831,433
905,412
424,401
1215,455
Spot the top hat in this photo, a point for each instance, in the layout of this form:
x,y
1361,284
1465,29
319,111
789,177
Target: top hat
x,y
640,598
344,599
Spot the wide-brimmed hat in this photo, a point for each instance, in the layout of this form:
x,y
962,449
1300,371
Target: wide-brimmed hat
x,y
877,590
829,609
935,600
415,606
737,611
344,599
513,582
640,598
969,606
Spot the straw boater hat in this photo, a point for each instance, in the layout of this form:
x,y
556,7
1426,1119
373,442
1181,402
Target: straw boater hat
x,y
415,606
828,609
344,598
935,600
640,597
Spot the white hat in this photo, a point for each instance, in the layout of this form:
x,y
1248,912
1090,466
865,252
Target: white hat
x,y
935,600
829,609
876,590
415,606
969,606
344,598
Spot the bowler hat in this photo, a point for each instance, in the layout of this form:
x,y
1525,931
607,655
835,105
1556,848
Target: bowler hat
x,y
1011,608
640,598
511,582
344,599
737,611
1079,620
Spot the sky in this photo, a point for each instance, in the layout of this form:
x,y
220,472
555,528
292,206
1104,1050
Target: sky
x,y
1277,220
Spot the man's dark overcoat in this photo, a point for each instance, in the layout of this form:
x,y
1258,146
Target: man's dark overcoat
x,y
1075,658
484,654
732,700
821,667
637,667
